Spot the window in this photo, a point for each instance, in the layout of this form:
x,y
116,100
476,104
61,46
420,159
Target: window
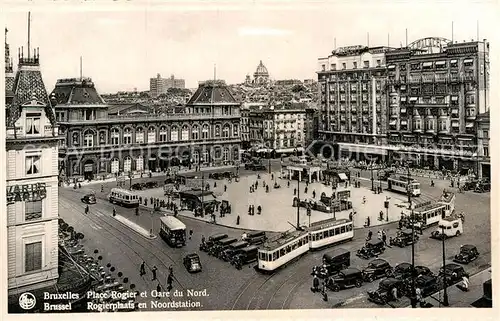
x,y
217,130
206,156
174,133
204,132
33,210
366,64
333,67
225,131
115,136
115,166
196,157
235,130
139,163
323,67
185,132
486,151
163,134
442,125
344,66
486,133
33,123
152,135
225,154
418,124
355,65
102,137
195,132
470,112
127,136
127,164
470,99
88,139
33,256
32,165
379,62
139,135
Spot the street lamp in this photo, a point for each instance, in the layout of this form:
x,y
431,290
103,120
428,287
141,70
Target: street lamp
x,y
413,295
298,202
371,170
130,180
445,290
269,159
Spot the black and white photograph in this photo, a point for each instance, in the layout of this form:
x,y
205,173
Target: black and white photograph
x,y
263,156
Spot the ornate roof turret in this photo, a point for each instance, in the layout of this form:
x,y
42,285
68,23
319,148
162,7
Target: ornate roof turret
x,y
212,92
261,70
9,72
77,91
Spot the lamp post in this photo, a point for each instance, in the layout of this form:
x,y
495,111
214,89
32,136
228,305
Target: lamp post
x,y
298,202
202,193
130,180
371,170
269,159
413,298
445,290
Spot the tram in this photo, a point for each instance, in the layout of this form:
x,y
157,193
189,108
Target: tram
x,y
123,197
401,184
430,214
173,231
276,253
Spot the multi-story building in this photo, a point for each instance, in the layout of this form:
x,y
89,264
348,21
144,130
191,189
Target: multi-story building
x,y
98,143
31,179
353,104
245,127
483,145
311,124
159,85
436,89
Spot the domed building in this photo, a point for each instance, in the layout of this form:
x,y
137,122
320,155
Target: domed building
x,y
261,75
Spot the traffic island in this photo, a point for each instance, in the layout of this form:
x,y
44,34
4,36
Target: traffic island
x,y
138,229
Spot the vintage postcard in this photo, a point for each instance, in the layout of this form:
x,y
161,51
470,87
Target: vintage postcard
x,y
262,156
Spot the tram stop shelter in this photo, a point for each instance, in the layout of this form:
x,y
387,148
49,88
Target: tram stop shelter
x,y
194,198
310,171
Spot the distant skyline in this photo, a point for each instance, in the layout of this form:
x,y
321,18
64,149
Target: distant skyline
x,y
122,50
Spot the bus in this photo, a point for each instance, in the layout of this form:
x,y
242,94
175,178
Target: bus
x,y
173,231
123,197
402,184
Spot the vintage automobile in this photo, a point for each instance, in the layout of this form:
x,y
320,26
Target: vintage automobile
x,y
423,270
254,238
428,284
385,174
452,273
448,227
192,263
227,254
211,241
467,254
345,279
333,262
137,186
371,249
89,199
385,291
482,187
376,269
312,204
401,271
255,164
220,246
404,238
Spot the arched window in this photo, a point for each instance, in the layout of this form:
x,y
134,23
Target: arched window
x,y
115,166
139,163
115,136
127,136
195,132
163,134
174,133
206,156
225,154
152,135
88,139
102,137
236,130
196,157
76,139
185,132
204,131
217,130
127,164
139,135
225,131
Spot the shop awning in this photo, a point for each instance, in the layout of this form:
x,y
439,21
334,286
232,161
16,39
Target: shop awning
x,y
343,176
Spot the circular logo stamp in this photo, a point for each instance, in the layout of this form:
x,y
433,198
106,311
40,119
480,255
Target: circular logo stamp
x,y
27,301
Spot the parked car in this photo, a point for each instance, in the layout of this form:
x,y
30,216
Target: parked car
x,y
345,279
192,263
211,241
467,254
376,269
333,262
452,273
423,270
151,185
312,204
402,271
384,293
404,238
138,186
428,284
254,238
371,249
89,199
482,187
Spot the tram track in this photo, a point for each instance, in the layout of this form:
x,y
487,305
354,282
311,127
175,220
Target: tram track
x,y
127,236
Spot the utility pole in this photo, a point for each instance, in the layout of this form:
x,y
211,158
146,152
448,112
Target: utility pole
x,y
445,290
371,169
298,202
202,193
412,217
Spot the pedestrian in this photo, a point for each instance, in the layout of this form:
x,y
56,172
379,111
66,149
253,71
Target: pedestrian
x,y
87,209
170,270
364,199
381,216
294,191
370,233
305,190
314,193
203,239
114,211
400,224
259,209
225,188
325,295
367,221
170,280
384,238
288,184
253,209
350,216
418,296
272,176
465,283
158,289
190,233
153,271
137,211
395,293
315,286
238,220
142,268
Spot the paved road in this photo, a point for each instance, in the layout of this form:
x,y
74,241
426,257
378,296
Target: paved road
x,y
246,290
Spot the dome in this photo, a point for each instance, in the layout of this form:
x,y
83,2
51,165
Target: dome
x,y
261,69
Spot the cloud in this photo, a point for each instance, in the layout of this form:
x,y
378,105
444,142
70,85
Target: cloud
x,y
251,31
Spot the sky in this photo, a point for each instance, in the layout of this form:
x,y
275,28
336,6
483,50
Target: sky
x,y
122,47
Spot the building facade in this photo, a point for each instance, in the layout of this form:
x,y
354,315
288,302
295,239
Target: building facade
x,y
245,127
206,133
436,89
32,179
353,110
159,85
483,145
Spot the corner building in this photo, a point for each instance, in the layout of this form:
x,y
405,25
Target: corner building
x,y
98,143
31,180
436,89
353,112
